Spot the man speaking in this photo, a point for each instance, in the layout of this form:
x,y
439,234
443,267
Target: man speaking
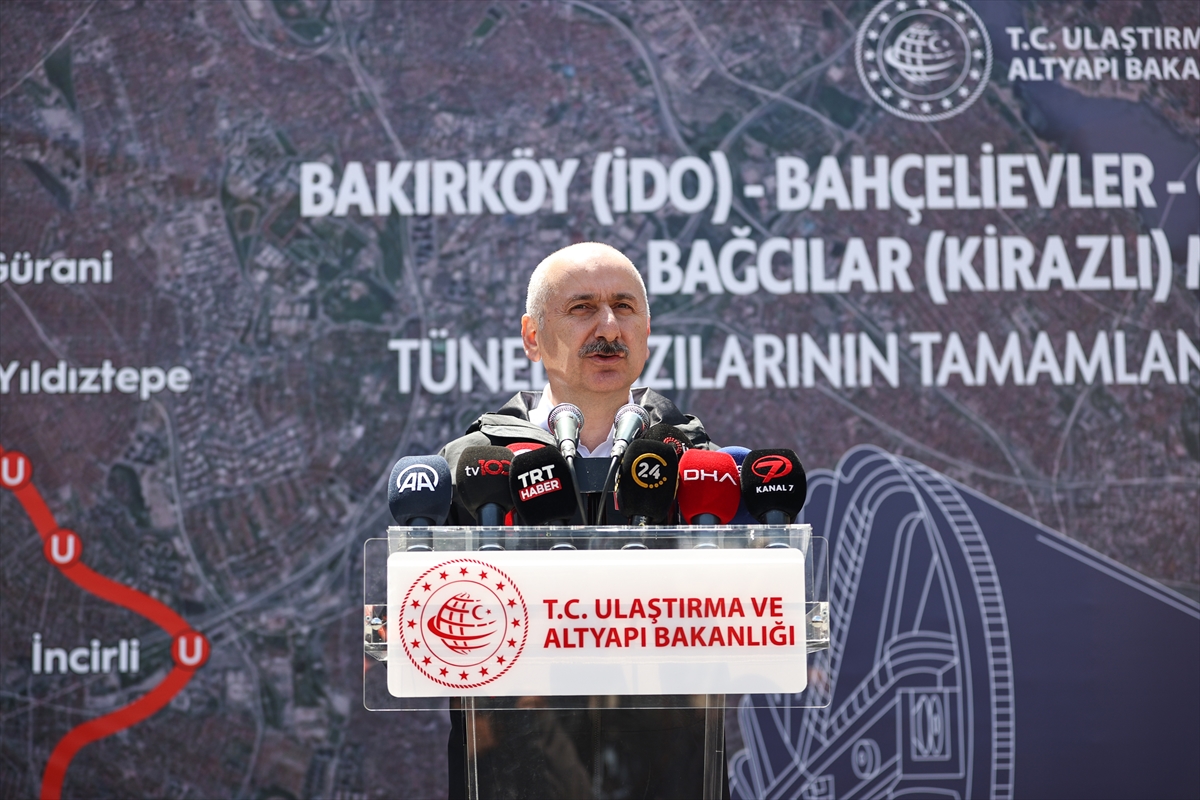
x,y
587,319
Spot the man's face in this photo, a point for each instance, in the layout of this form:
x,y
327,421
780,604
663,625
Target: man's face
x,y
594,337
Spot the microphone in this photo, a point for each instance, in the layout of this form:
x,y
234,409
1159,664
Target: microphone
x,y
565,422
742,517
647,481
663,432
541,487
774,485
419,494
524,447
709,491
482,482
630,421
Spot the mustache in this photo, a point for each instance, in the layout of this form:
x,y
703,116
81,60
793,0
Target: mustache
x,y
603,347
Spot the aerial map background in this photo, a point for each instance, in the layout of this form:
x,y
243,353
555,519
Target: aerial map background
x,y
269,359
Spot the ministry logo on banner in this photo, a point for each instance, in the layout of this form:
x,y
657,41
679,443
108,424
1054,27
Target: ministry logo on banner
x,y
923,60
464,623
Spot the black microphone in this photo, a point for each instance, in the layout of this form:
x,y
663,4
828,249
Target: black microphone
x,y
541,487
630,421
481,479
774,485
565,422
647,481
662,432
419,494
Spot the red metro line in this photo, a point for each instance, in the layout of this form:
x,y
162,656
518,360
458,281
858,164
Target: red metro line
x,y
63,548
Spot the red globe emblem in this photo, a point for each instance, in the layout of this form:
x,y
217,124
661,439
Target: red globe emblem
x,y
461,626
464,623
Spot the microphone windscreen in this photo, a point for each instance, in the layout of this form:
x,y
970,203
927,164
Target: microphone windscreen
x,y
420,488
524,447
662,432
708,484
481,477
647,480
773,480
742,517
541,488
738,452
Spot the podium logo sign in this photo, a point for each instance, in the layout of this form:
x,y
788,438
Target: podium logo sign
x,y
463,623
923,60
596,622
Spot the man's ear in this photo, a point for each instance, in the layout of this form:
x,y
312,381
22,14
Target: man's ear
x,y
529,337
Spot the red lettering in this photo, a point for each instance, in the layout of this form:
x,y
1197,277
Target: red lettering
x,y
549,608
551,636
670,606
631,635
566,639
567,609
680,637
737,634
776,606
791,634
597,633
636,609
759,609
694,607
617,614
662,637
581,632
715,638
607,609
698,636
714,610
613,638
735,607
643,637
750,637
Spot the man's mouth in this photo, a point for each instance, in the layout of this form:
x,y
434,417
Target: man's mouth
x,y
604,350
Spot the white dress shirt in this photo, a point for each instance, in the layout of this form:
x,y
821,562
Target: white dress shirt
x,y
540,416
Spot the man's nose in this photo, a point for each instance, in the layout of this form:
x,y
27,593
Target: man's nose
x,y
606,324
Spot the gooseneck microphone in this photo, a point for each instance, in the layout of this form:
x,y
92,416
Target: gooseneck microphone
x,y
566,422
628,425
631,419
481,479
647,481
709,491
774,485
419,495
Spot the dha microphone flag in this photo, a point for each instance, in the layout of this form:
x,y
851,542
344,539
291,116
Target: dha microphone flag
x,y
709,491
662,432
541,487
647,481
774,485
481,479
419,491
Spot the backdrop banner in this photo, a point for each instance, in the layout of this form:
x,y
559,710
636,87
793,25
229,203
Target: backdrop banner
x,y
253,252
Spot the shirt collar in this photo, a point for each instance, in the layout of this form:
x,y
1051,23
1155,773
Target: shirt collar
x,y
540,415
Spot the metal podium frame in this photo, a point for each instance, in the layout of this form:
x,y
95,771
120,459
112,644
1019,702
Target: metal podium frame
x,y
478,710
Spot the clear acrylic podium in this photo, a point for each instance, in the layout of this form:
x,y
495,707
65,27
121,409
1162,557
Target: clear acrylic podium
x,y
611,735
